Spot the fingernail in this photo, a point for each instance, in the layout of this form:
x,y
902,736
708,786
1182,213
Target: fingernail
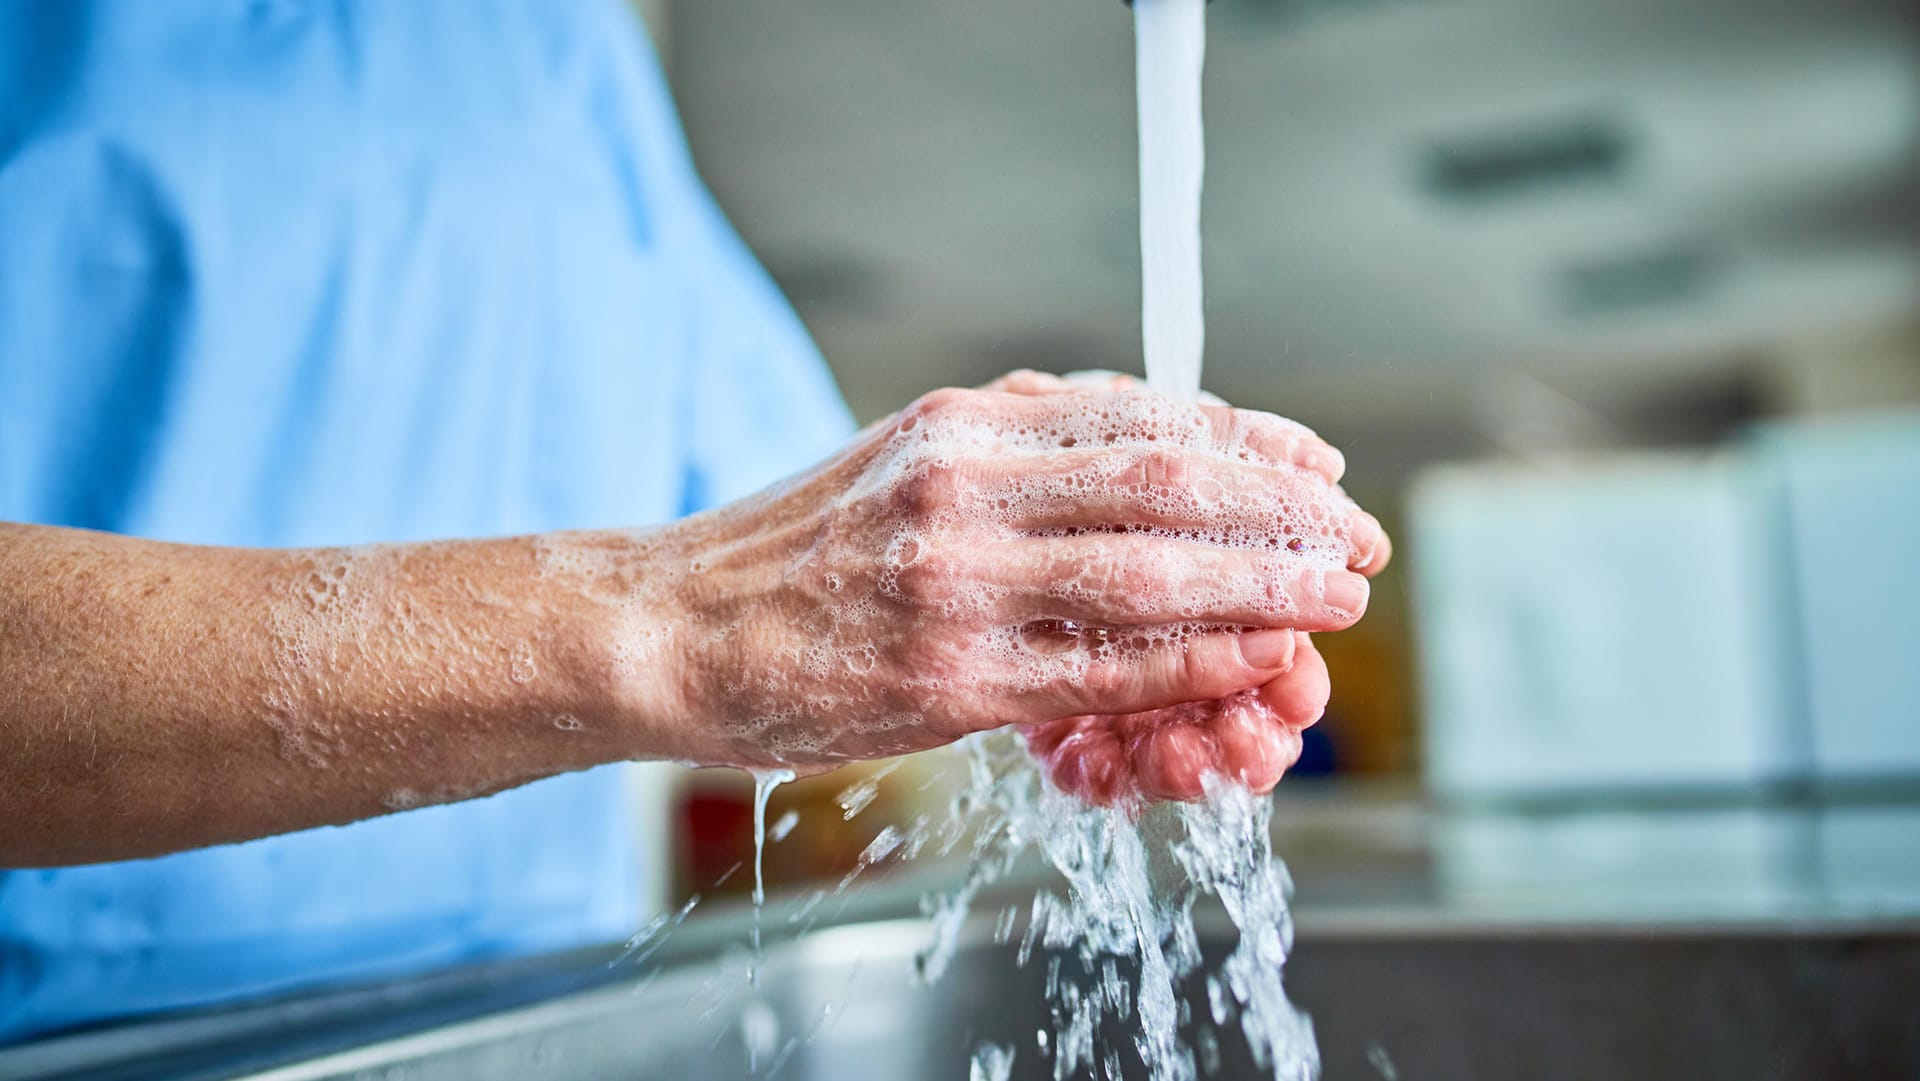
x,y
1267,649
1347,592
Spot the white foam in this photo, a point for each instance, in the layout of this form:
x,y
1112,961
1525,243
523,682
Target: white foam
x,y
327,610
522,667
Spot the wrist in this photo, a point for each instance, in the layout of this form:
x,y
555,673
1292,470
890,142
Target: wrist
x,y
621,599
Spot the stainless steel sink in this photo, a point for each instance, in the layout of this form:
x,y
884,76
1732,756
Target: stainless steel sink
x,y
1748,945
1426,1002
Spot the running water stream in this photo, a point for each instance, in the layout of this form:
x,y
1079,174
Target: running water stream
x,y
1170,41
763,786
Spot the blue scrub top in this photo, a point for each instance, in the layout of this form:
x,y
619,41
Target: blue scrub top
x,y
304,272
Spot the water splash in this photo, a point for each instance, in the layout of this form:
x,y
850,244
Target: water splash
x,y
759,1032
991,1062
1227,851
860,795
779,830
655,934
1125,922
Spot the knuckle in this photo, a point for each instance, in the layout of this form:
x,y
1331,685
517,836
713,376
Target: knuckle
x,y
1156,469
1275,593
1195,667
929,488
922,583
1020,379
1335,459
1273,439
944,401
917,585
1166,468
1225,425
1105,682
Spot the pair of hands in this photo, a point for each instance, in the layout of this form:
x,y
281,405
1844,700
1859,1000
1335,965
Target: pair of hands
x,y
1132,580
1253,735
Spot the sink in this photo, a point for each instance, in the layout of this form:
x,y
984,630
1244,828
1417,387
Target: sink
x,y
1390,998
1766,943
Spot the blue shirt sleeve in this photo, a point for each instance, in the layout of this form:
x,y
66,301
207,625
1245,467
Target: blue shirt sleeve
x,y
762,404
754,401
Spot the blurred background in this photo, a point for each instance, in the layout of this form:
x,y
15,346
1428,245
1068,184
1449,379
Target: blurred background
x,y
1614,306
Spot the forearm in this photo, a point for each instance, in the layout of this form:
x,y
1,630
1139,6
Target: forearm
x,y
165,696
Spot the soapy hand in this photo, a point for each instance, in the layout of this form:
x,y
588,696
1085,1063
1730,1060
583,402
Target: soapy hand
x,y
1018,555
1252,736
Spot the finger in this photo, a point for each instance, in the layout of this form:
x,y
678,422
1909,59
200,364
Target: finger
x,y
1030,405
1084,756
1029,382
1167,754
1170,761
1132,580
1044,737
1129,677
1368,546
1298,697
1102,379
1155,485
1134,417
1255,748
1274,438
